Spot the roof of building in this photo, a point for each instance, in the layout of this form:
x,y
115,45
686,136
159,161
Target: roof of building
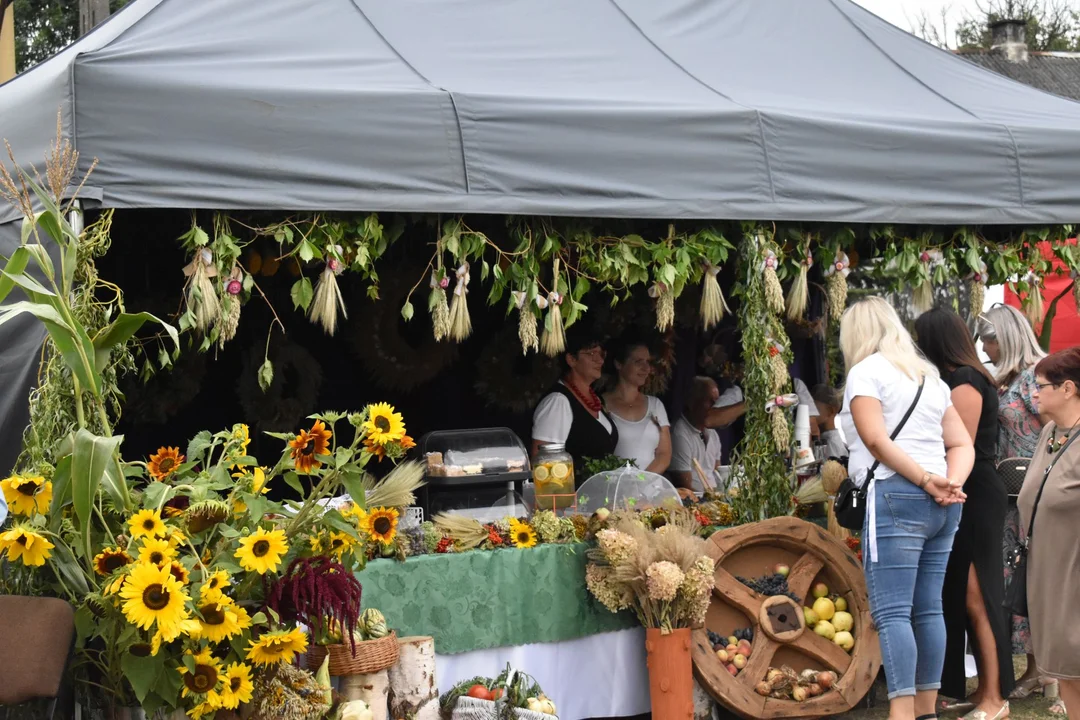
x,y
1054,72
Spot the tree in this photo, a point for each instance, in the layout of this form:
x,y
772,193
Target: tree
x,y
1051,25
45,27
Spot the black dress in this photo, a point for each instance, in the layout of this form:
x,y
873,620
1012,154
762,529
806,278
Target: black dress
x,y
588,438
978,543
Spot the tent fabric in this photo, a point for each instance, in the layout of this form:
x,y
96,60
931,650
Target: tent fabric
x,y
812,110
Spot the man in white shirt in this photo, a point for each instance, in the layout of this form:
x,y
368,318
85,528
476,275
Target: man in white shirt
x,y
730,406
692,440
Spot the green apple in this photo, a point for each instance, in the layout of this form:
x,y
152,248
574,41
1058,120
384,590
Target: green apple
x,y
844,640
825,629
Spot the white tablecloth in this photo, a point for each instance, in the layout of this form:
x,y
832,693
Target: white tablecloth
x,y
598,676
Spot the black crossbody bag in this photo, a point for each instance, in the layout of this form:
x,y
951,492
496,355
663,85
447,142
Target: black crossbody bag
x,y
1016,591
850,504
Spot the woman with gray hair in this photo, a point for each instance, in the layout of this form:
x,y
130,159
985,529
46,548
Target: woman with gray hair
x,y
1012,347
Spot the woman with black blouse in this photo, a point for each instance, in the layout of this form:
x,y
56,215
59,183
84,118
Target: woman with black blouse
x,y
973,594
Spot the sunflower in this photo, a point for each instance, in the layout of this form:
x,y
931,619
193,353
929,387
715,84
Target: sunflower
x,y
177,537
340,543
204,709
355,511
241,435
308,445
115,585
151,594
217,580
110,560
261,551
316,544
381,524
383,425
27,495
205,679
166,635
220,619
237,686
147,523
522,534
176,506
32,547
179,572
165,462
156,551
277,646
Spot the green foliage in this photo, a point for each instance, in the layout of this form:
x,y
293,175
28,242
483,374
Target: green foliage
x,y
1052,25
45,27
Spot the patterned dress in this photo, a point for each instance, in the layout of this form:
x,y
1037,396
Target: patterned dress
x,y
1018,434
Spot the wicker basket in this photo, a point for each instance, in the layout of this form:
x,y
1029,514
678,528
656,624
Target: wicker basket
x,y
467,708
371,656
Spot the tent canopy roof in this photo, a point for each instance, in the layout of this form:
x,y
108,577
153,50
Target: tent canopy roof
x,y
812,110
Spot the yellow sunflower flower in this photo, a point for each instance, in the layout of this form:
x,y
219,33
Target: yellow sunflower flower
x,y
147,523
152,595
166,635
277,646
217,580
177,537
262,550
165,462
383,425
156,551
27,495
110,560
355,511
522,534
242,435
179,572
220,620
24,544
203,709
115,585
205,680
340,543
308,445
381,524
237,687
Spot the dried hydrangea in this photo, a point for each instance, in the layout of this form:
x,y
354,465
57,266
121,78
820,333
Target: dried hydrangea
x,y
546,524
618,547
697,588
432,536
503,525
604,588
662,580
567,530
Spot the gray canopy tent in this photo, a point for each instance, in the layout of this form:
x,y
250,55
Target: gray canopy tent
x,y
758,109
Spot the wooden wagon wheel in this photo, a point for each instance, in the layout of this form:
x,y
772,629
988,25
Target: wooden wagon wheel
x,y
780,634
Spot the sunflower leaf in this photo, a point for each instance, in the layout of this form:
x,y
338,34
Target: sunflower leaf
x,y
354,485
293,481
198,444
142,672
333,519
266,375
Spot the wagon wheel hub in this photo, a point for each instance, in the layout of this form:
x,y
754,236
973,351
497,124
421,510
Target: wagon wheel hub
x,y
781,619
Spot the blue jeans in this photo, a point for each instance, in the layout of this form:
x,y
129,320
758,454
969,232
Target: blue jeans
x,y
914,539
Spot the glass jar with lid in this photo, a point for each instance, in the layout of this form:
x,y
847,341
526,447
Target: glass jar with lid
x,y
553,473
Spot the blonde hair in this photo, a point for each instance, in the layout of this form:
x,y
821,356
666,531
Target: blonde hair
x,y
1016,340
872,326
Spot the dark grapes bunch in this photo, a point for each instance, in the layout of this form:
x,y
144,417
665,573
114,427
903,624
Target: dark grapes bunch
x,y
716,641
769,585
746,634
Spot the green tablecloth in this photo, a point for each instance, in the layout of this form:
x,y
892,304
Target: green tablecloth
x,y
486,599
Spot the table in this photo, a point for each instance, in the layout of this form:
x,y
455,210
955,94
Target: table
x,y
527,607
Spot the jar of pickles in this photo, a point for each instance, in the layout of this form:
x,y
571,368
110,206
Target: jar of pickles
x,y
553,473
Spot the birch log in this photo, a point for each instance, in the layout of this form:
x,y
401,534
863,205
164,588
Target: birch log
x,y
372,689
703,703
414,694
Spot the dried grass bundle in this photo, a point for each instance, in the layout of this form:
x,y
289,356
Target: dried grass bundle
x,y
466,532
836,287
778,372
834,527
440,312
833,476
397,489
553,339
713,305
924,295
665,307
527,330
1033,302
324,307
774,292
781,431
200,295
811,492
460,322
798,298
976,297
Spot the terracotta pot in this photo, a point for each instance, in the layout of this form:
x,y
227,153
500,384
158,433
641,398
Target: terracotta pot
x,y
671,674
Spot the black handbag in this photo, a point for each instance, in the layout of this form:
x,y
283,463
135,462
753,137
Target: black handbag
x,y
850,504
1016,591
1012,471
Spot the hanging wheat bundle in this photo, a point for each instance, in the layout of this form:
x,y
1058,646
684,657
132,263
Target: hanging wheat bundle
x,y
713,305
798,298
440,310
230,304
977,290
778,372
781,431
460,322
1033,301
553,339
665,305
774,292
526,323
328,299
199,292
836,286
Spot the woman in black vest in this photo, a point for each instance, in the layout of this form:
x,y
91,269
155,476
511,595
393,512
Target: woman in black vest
x,y
573,414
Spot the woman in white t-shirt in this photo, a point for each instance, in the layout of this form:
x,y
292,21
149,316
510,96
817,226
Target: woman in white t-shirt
x,y
644,434
914,495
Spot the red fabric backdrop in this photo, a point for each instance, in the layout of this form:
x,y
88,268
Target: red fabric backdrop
x,y
1065,330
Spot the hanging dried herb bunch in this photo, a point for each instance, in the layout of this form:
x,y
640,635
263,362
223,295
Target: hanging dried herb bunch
x,y
200,294
1033,299
460,322
526,323
328,299
553,339
798,298
836,286
713,305
774,292
437,305
317,592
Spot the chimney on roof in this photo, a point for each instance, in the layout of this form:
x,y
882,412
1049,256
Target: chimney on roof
x,y
1009,38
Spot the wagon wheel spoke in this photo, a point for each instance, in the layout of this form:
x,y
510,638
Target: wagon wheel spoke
x,y
824,651
737,594
802,574
760,659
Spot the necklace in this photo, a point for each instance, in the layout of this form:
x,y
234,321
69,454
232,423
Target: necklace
x,y
591,401
1056,443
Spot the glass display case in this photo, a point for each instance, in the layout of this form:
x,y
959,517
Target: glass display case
x,y
471,469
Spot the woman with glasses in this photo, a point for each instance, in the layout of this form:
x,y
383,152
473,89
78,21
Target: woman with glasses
x,y
644,434
573,414
1053,560
973,595
1011,345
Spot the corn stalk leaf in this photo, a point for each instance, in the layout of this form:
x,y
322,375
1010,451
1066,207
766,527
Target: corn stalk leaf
x,y
64,561
61,492
89,462
15,266
120,330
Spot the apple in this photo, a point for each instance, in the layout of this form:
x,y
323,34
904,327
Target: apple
x,y
732,669
843,621
826,679
824,608
733,640
825,629
739,661
841,604
782,569
844,640
810,616
723,656
745,649
820,590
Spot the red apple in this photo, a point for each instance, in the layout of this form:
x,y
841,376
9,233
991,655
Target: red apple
x,y
782,569
732,669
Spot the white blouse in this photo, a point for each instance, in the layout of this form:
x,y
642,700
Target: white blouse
x,y
639,439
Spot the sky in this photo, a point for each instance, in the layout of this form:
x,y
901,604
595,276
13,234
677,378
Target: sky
x,y
904,13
